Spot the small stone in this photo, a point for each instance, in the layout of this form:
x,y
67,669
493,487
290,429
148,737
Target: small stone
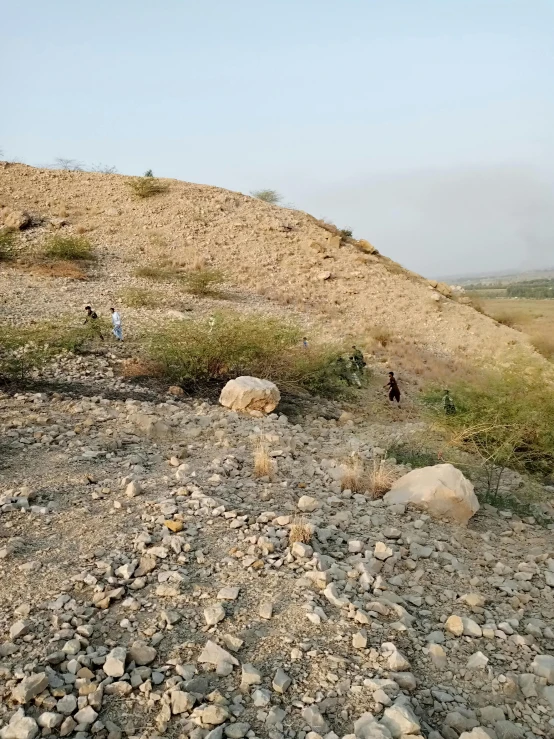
x,y
174,526
228,593
301,551
281,681
261,698
67,704
141,654
382,551
214,614
312,716
399,719
237,730
30,687
543,666
133,489
250,676
214,654
67,726
20,727
359,639
114,666
86,715
181,702
438,656
307,504
49,720
19,628
214,715
395,659
266,611
477,661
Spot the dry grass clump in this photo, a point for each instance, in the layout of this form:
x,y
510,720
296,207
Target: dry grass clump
x,y
300,531
137,368
355,478
155,273
68,270
137,297
381,334
203,282
381,478
264,466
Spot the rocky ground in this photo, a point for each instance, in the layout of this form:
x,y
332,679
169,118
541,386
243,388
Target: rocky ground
x,y
150,584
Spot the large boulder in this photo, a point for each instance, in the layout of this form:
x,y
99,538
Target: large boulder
x,y
441,490
250,394
17,219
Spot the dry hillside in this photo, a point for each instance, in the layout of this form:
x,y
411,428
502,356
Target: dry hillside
x,y
273,257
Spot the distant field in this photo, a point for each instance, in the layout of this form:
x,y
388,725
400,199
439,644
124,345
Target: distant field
x,y
533,317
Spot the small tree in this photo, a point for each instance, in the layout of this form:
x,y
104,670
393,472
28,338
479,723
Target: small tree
x,y
68,165
104,168
146,186
268,196
204,281
149,173
346,233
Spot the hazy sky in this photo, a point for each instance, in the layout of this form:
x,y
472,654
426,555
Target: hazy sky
x,y
425,125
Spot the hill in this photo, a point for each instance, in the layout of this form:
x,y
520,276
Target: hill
x,y
276,259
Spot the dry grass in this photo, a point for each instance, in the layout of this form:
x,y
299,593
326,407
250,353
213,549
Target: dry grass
x,y
533,317
381,478
300,531
381,334
67,270
137,297
544,344
355,478
138,368
264,466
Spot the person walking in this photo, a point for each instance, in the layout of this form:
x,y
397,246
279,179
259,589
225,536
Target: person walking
x,y
92,320
305,342
394,390
116,323
357,359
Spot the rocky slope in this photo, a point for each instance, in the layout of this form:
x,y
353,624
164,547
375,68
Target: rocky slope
x,y
280,259
150,584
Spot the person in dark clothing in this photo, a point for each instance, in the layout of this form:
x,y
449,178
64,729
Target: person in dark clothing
x,y
92,319
448,403
394,391
357,359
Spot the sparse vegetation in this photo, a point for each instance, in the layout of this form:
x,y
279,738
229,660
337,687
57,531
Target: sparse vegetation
x,y
203,282
268,196
7,242
264,466
409,454
146,186
137,297
69,248
346,233
68,165
198,352
300,531
381,334
355,477
157,274
381,478
104,168
544,344
504,420
26,349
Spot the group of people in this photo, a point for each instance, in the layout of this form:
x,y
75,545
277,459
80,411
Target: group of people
x,y
92,319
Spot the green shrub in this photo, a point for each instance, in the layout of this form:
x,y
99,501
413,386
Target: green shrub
x,y
70,248
268,196
7,241
346,233
145,187
203,281
416,457
503,419
199,352
24,349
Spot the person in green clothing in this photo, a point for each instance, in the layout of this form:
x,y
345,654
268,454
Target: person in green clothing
x,y
448,403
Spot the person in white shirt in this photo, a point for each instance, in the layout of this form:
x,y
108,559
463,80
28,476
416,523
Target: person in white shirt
x,y
116,321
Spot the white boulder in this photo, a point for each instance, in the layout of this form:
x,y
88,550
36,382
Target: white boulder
x,y
441,490
250,394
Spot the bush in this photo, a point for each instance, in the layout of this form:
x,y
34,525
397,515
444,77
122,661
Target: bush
x,y
136,297
25,349
158,274
406,454
346,233
198,352
203,281
145,187
504,420
268,196
7,241
69,248
381,334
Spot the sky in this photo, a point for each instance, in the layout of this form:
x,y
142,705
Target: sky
x,y
425,126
